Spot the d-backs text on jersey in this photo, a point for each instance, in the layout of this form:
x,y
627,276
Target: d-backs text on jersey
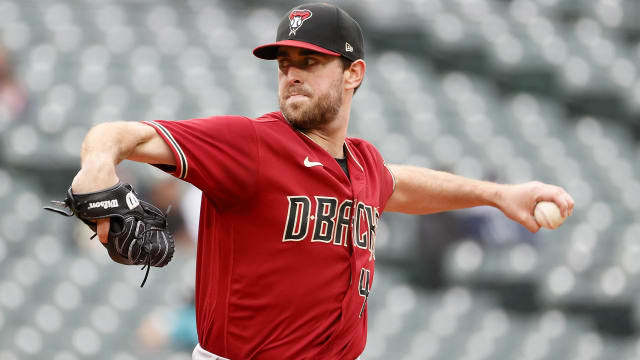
x,y
329,221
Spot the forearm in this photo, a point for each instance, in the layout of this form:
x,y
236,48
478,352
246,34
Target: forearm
x,y
104,147
425,191
108,143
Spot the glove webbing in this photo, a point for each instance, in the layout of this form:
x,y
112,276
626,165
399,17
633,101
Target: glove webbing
x,y
144,246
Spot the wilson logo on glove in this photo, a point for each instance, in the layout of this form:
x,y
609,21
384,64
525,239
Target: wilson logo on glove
x,y
104,204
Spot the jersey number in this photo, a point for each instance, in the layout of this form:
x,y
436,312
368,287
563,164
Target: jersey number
x,y
365,287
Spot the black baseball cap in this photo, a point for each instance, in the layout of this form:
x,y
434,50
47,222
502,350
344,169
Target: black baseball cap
x,y
322,27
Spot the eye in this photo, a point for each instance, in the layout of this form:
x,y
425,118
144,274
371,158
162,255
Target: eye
x,y
310,61
283,63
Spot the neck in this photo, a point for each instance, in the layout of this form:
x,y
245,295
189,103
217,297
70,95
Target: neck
x,y
331,137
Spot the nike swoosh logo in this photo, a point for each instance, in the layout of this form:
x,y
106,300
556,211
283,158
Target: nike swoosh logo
x,y
308,163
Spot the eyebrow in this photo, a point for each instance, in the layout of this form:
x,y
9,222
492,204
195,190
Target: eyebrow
x,y
303,52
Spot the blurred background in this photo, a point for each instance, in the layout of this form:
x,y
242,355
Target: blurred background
x,y
505,90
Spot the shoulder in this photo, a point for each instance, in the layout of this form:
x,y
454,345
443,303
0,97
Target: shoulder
x,y
365,153
358,142
275,117
203,123
220,119
214,124
273,121
273,126
363,147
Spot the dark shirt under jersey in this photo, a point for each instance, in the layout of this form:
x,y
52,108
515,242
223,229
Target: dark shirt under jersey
x,y
343,165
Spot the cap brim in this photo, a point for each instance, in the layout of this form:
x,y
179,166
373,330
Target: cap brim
x,y
270,51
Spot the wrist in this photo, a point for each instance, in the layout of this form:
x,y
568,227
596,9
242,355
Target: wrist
x,y
96,160
97,173
494,194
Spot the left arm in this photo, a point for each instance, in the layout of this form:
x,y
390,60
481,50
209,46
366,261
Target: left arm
x,y
425,191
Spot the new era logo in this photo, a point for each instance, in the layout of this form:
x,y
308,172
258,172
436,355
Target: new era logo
x,y
348,47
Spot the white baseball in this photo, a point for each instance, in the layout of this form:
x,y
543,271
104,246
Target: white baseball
x,y
548,215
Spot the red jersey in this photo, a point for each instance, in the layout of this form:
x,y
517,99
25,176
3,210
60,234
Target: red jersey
x,y
286,243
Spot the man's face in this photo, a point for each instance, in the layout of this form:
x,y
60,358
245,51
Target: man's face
x,y
310,87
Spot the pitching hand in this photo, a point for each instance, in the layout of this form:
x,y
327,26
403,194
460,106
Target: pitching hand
x,y
518,202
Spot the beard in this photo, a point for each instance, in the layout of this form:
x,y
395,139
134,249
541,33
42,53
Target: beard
x,y
305,115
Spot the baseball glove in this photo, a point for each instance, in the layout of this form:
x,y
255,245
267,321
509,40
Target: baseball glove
x,y
138,233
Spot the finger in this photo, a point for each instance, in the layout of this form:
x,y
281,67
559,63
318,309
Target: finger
x,y
560,197
103,230
571,204
562,203
565,201
568,200
531,224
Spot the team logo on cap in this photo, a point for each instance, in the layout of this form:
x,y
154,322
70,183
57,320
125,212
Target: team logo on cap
x,y
296,18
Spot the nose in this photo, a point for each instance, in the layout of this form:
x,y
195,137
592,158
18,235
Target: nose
x,y
294,76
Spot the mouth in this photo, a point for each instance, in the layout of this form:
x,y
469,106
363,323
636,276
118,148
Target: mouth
x,y
296,96
297,93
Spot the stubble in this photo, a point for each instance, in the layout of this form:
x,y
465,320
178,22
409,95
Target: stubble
x,y
316,114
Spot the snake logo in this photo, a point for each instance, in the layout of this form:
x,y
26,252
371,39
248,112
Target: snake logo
x,y
296,18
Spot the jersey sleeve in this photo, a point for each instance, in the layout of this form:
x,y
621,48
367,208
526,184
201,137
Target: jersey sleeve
x,y
388,184
386,178
218,155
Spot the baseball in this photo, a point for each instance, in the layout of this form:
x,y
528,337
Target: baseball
x,y
548,215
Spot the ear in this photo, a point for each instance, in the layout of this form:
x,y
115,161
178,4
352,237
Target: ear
x,y
354,74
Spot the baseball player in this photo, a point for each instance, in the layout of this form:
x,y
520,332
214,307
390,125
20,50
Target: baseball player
x,y
290,205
